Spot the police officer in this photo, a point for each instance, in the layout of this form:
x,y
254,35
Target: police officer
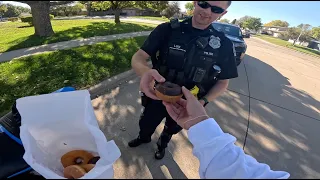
x,y
190,53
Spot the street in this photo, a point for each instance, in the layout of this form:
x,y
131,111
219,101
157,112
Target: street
x,y
272,109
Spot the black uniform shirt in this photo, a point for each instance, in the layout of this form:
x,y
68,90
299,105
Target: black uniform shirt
x,y
159,37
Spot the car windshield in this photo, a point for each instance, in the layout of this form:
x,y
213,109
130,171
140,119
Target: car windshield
x,y
227,29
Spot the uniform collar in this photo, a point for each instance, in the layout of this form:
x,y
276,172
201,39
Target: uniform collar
x,y
188,22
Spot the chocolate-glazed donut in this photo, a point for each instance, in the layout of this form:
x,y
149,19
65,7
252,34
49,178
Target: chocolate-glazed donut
x,y
168,92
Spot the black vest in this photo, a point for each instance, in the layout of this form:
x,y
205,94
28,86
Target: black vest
x,y
187,58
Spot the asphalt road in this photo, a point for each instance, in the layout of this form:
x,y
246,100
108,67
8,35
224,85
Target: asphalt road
x,y
272,108
284,122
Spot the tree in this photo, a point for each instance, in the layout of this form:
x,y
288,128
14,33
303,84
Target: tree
x,y
156,6
304,32
316,32
189,7
241,20
88,5
224,21
115,6
234,21
66,10
12,11
292,33
277,23
23,9
171,10
40,16
252,23
3,9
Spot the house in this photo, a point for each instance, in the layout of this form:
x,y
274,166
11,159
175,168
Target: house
x,y
273,30
131,11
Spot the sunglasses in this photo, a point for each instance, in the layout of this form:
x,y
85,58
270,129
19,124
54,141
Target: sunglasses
x,y
214,9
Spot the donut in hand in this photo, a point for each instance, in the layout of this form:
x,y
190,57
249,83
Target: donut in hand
x,y
168,92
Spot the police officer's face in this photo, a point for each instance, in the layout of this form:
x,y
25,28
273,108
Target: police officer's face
x,y
205,16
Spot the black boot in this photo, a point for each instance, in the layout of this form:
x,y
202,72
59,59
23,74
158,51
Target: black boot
x,y
137,142
160,153
162,144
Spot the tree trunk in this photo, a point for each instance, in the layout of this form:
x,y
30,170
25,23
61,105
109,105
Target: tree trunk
x,y
41,19
89,8
117,16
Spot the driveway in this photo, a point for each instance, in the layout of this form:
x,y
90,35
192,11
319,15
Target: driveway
x,y
272,108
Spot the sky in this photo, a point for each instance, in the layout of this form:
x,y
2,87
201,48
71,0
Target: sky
x,y
294,12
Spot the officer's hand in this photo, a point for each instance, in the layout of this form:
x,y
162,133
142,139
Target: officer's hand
x,y
186,112
147,83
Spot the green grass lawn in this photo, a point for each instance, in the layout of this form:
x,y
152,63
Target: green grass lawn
x,y
287,44
82,67
150,18
17,35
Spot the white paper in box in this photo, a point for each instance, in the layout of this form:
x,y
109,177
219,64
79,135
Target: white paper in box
x,y
54,124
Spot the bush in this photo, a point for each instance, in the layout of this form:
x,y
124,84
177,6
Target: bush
x,y
27,20
30,21
13,19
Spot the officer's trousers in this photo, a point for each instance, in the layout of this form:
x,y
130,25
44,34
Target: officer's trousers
x,y
151,117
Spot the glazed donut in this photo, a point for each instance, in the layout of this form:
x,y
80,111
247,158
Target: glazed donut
x,y
76,157
73,172
87,167
168,92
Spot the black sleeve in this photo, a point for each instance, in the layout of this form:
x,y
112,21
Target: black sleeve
x,y
228,64
156,39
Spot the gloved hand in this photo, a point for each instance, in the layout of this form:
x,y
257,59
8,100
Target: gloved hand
x,y
186,112
147,83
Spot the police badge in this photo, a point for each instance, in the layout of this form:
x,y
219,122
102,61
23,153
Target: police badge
x,y
214,42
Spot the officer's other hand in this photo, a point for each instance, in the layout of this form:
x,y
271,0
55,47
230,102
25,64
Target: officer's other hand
x,y
147,83
186,112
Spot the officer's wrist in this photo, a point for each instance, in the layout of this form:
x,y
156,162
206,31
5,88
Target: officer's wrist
x,y
202,102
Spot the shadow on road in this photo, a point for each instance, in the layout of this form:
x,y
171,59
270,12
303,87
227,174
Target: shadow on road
x,y
118,115
270,86
286,139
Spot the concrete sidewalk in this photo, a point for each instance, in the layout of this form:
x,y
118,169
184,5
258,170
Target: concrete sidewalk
x,y
7,56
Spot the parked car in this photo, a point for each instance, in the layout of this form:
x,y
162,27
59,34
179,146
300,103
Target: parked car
x,y
233,32
245,34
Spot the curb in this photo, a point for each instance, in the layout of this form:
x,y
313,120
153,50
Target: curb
x,y
110,83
